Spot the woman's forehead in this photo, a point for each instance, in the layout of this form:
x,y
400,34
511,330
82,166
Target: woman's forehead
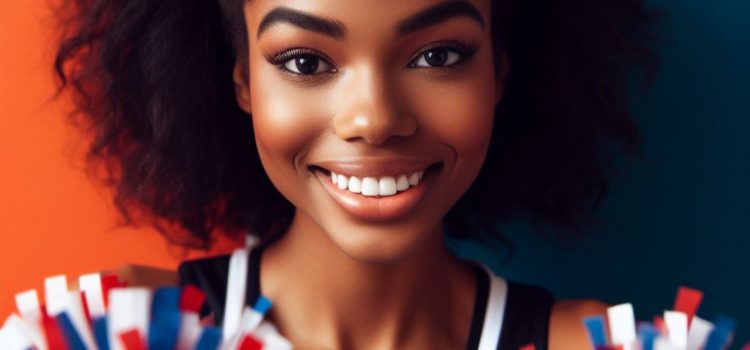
x,y
341,18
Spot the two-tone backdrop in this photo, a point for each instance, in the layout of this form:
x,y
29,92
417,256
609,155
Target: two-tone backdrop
x,y
677,216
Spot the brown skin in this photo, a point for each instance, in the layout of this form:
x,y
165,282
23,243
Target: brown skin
x,y
145,276
565,325
339,282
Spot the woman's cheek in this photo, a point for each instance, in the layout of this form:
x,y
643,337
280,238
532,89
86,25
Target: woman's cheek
x,y
462,118
286,123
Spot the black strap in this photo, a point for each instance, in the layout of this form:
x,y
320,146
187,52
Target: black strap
x,y
480,303
526,317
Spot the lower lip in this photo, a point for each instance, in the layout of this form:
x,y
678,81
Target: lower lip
x,y
378,208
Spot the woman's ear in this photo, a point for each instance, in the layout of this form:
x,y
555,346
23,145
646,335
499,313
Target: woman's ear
x,y
503,66
242,88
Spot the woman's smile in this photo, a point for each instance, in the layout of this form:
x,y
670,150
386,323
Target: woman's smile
x,y
377,189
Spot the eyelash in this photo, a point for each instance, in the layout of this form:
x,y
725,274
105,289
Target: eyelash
x,y
465,51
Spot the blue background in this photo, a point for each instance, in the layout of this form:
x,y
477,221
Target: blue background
x,y
679,213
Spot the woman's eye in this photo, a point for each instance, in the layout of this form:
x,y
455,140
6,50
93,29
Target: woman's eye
x,y
306,64
437,57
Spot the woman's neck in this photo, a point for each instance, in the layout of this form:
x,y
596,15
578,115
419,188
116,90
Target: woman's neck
x,y
326,299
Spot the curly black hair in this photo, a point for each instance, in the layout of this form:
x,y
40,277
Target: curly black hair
x,y
152,85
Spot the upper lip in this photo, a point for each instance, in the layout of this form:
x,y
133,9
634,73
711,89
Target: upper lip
x,y
374,167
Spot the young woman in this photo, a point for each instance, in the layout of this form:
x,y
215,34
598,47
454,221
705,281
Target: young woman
x,y
351,136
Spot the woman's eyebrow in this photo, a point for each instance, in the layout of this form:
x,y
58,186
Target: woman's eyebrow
x,y
334,29
438,14
337,30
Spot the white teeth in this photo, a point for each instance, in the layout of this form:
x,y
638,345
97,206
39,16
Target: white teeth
x,y
402,184
370,186
414,179
355,184
387,186
343,182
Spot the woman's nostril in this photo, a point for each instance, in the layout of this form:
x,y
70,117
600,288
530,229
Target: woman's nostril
x,y
374,128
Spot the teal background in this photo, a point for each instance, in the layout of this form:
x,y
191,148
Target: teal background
x,y
679,213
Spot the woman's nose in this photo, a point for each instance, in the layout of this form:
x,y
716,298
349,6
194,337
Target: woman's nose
x,y
371,110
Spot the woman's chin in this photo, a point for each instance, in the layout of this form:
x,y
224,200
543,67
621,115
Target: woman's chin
x,y
377,246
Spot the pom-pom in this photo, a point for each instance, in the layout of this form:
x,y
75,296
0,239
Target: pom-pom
x,y
678,329
107,315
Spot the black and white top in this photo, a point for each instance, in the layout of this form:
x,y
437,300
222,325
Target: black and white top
x,y
507,315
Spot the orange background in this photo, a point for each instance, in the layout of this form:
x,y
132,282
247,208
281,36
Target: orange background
x,y
53,218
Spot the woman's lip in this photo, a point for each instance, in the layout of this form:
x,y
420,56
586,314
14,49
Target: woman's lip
x,y
378,208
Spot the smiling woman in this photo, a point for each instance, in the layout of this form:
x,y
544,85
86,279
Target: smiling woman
x,y
370,117
351,136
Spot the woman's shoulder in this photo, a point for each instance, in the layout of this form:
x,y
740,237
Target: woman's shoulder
x,y
566,328
534,316
134,275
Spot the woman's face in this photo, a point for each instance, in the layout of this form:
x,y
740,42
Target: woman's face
x,y
395,97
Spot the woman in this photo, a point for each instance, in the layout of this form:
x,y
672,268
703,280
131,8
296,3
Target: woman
x,y
351,136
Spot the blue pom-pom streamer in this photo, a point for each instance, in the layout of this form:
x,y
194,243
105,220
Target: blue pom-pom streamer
x,y
165,299
595,327
648,335
73,339
163,329
100,333
165,318
209,340
723,328
262,305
